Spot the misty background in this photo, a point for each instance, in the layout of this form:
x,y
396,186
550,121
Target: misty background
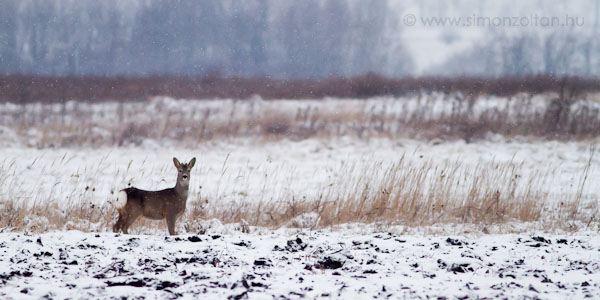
x,y
292,39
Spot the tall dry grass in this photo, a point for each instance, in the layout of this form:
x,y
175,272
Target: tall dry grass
x,y
188,122
406,192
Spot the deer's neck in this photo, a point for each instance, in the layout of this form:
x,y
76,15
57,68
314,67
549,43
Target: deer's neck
x,y
182,190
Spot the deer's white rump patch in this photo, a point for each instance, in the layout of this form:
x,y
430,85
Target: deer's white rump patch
x,y
121,199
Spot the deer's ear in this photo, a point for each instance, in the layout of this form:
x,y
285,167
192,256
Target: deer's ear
x,y
176,162
191,163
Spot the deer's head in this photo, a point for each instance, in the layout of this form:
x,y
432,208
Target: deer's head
x,y
184,171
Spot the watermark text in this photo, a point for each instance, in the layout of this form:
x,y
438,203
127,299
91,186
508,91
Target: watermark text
x,y
485,21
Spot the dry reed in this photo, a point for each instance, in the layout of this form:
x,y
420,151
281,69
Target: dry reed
x,y
402,193
187,123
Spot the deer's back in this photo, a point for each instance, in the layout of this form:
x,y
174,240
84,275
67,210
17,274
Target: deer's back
x,y
156,204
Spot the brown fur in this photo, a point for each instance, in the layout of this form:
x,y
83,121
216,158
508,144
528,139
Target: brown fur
x,y
166,204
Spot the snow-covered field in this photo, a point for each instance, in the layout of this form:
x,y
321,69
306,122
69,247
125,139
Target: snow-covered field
x,y
305,265
350,261
388,258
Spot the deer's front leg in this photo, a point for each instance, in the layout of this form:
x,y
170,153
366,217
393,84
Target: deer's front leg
x,y
171,223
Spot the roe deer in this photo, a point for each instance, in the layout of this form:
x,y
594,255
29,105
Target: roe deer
x,y
166,204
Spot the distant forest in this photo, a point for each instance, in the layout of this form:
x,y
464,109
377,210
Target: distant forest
x,y
308,38
290,39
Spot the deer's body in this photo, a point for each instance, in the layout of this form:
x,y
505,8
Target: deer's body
x,y
168,204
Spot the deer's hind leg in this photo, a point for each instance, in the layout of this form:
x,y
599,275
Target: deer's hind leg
x,y
132,216
120,222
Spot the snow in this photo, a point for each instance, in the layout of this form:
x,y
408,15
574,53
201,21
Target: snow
x,y
310,264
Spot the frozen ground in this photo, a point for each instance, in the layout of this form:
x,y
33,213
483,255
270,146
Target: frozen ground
x,y
305,265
